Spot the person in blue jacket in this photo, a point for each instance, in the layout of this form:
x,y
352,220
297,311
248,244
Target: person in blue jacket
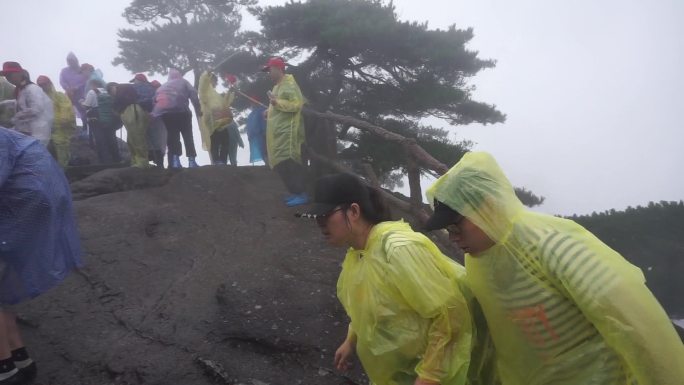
x,y
39,242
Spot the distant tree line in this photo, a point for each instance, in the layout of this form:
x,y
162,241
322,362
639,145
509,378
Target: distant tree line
x,y
652,238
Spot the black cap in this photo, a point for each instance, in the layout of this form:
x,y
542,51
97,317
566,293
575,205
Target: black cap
x,y
335,190
443,217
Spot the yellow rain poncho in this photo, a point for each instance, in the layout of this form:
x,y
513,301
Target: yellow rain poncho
x,y
215,107
64,125
409,311
562,307
6,109
285,126
136,121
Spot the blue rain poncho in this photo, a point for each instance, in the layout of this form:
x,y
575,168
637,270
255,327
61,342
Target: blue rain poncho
x,y
256,134
39,241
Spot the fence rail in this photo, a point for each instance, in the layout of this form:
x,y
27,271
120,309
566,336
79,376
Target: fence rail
x,y
416,159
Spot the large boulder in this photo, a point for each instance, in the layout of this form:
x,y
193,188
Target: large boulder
x,y
188,271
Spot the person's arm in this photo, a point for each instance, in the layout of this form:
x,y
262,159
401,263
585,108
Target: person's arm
x,y
90,99
62,80
33,102
611,293
194,98
229,98
433,295
344,353
288,98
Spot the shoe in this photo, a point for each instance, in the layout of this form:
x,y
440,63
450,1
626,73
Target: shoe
x,y
175,162
298,200
16,379
28,373
192,163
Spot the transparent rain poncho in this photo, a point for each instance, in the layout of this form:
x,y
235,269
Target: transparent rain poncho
x,y
285,126
64,124
39,242
7,102
173,96
34,114
410,312
562,307
215,107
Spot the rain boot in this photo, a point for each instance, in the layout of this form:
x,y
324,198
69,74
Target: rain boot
x,y
191,162
175,162
298,200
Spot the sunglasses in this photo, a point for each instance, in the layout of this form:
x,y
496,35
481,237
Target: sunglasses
x,y
321,220
454,227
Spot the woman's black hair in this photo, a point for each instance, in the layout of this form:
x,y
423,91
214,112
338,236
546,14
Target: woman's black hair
x,y
343,190
376,210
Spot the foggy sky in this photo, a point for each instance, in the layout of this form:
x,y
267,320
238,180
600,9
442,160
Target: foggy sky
x,y
592,90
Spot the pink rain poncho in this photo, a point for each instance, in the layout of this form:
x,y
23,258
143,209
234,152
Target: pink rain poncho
x,y
173,96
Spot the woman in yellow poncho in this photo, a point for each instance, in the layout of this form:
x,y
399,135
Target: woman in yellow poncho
x,y
64,124
220,135
563,308
410,313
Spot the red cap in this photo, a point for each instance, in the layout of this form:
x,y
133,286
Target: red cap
x,y
140,78
43,80
277,62
9,67
155,83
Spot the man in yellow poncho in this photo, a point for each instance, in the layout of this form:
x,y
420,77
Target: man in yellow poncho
x,y
220,135
285,132
562,307
64,124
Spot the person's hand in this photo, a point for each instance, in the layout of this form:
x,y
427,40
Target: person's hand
x,y
343,356
274,102
420,381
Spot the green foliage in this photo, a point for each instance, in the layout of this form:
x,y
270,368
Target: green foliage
x,y
356,58
652,238
528,198
182,34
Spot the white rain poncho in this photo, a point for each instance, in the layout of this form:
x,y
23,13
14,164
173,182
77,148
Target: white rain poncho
x,y
562,307
34,113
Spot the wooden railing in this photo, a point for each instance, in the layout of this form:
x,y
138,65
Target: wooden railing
x,y
416,159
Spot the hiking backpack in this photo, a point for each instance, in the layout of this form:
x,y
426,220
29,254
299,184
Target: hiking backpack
x,y
145,95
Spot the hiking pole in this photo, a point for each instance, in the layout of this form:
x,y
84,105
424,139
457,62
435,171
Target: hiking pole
x,y
251,98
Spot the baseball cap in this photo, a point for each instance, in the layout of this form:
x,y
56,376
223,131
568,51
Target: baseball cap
x,y
442,217
9,67
335,190
277,62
